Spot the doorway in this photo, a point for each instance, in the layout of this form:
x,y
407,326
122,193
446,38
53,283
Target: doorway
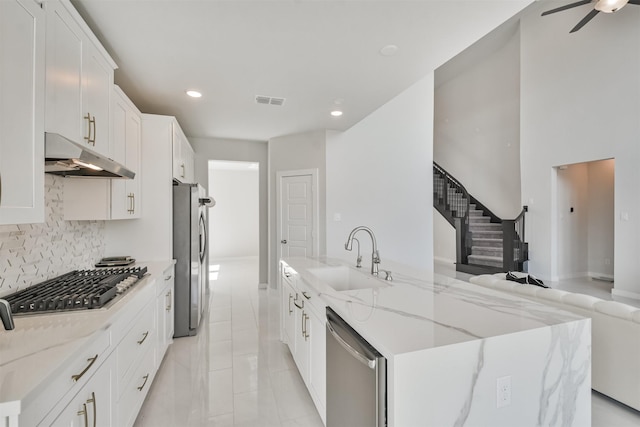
x,y
297,213
234,221
585,220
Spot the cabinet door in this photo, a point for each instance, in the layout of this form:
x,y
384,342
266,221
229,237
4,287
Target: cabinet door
x,y
22,43
189,160
126,141
164,315
317,362
178,162
289,316
97,81
63,73
93,405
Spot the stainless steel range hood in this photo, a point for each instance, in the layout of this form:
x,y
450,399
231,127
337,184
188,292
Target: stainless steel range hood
x,y
67,158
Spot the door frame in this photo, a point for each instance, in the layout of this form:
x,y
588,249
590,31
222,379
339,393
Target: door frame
x,y
316,208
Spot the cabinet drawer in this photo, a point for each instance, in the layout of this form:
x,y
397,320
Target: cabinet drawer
x,y
135,390
69,379
134,345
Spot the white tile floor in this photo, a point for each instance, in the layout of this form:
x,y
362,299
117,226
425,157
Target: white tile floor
x,y
236,372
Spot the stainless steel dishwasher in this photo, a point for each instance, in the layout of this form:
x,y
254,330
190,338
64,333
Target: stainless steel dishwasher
x,y
356,378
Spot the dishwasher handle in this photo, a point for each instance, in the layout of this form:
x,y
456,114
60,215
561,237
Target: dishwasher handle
x,y
371,363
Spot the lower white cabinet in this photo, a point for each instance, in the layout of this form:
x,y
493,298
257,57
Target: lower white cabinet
x,y
93,405
303,330
164,313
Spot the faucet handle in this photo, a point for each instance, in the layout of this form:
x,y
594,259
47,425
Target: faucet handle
x,y
388,276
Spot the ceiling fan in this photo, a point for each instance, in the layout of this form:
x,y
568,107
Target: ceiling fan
x,y
606,6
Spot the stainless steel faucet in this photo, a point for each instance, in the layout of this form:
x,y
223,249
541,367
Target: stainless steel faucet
x,y
375,257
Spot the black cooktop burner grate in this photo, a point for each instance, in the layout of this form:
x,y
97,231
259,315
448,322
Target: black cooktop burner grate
x,y
79,289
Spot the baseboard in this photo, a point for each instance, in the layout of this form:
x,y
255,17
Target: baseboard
x,y
235,258
625,294
263,285
571,276
447,261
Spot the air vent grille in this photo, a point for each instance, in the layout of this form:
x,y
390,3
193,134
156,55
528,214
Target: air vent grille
x,y
269,100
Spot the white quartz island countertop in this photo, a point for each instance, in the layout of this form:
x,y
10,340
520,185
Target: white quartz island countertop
x,y
41,344
447,342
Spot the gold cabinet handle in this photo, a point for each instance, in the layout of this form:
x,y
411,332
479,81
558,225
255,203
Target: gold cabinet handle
x,y
168,297
295,302
133,203
93,120
84,412
306,295
169,277
144,337
302,319
146,377
95,408
91,361
306,331
183,170
290,298
88,137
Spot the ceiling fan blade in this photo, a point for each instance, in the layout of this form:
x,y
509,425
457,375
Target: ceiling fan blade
x,y
586,19
565,7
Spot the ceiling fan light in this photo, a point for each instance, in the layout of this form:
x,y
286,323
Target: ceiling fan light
x,y
610,6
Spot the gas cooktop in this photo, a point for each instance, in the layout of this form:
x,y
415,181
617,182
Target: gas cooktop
x,y
76,290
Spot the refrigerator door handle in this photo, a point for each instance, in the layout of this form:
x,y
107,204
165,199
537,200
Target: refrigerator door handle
x,y
203,238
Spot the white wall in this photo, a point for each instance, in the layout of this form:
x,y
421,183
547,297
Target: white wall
x,y
477,121
379,174
238,150
233,222
580,102
601,218
295,152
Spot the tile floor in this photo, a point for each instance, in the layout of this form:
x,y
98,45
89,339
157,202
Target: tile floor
x,y
236,372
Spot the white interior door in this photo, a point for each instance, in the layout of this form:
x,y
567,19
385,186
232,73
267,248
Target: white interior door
x,y
297,216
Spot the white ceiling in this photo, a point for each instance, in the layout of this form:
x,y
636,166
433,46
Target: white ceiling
x,y
314,53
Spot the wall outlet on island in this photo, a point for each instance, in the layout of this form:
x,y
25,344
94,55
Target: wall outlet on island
x,y
503,389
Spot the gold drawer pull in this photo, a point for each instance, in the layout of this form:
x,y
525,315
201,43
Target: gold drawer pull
x,y
144,337
306,295
95,407
91,361
84,412
146,377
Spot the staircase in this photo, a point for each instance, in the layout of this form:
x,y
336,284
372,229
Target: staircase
x,y
482,239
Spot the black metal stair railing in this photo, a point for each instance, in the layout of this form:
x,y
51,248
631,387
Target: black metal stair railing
x,y
453,201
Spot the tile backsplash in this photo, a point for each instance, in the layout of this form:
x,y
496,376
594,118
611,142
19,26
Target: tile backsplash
x,y
31,253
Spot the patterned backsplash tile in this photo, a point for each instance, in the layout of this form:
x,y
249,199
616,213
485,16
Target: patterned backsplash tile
x,y
31,253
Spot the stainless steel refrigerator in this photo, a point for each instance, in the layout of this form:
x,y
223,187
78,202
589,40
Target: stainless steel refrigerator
x,y
191,253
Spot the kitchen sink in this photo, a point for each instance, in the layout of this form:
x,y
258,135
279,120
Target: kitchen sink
x,y
343,278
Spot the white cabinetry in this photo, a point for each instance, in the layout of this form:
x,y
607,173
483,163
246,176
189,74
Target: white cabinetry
x,y
93,405
22,53
183,157
303,329
164,313
79,74
101,199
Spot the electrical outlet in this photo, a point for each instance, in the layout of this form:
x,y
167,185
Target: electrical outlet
x,y
503,391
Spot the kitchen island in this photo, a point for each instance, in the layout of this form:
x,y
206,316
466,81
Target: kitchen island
x,y
449,344
50,363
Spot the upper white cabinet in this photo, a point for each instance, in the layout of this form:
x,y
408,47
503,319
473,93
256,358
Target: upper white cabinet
x,y
101,199
183,157
79,75
127,140
22,44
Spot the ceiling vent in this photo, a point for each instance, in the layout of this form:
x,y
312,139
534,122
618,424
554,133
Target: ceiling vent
x,y
269,100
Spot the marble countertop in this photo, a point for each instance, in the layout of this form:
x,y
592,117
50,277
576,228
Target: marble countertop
x,y
42,343
419,310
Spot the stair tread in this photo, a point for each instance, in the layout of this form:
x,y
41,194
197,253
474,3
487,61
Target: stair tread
x,y
486,257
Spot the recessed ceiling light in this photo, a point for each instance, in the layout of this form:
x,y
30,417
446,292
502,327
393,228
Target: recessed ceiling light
x,y
194,93
336,113
389,50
